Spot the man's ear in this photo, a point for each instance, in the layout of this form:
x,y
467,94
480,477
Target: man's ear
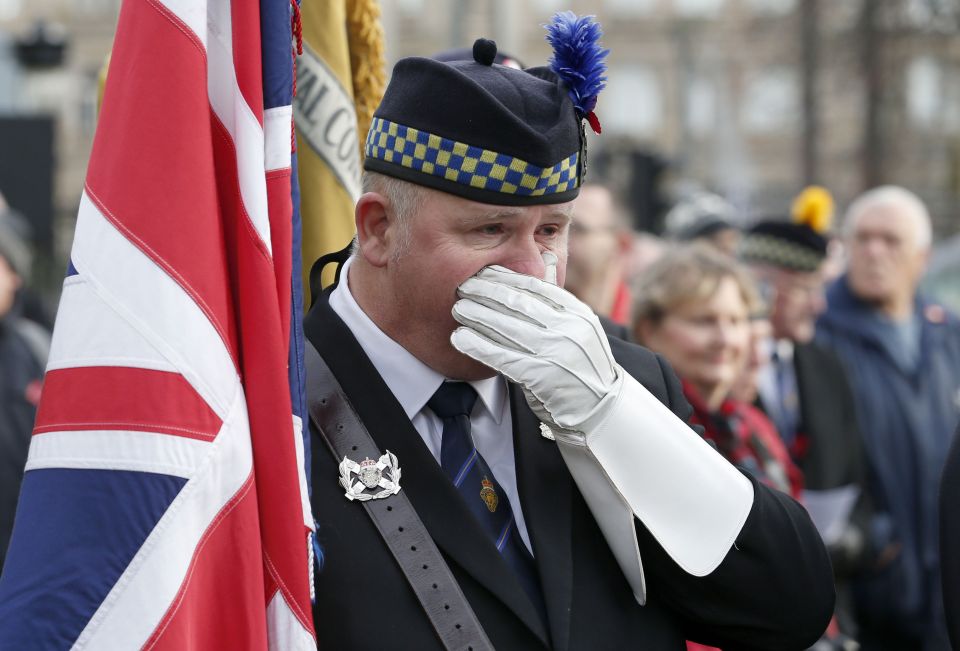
x,y
373,224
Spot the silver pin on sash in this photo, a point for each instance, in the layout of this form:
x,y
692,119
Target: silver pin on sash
x,y
546,432
361,479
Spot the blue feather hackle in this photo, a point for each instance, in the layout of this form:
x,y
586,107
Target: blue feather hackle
x,y
578,58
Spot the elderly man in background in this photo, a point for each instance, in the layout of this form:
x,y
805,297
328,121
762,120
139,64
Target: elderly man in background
x,y
903,357
600,249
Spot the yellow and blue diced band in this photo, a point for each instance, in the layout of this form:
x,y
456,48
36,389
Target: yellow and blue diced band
x,y
465,164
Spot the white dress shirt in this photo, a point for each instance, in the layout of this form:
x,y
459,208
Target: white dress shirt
x,y
777,386
413,383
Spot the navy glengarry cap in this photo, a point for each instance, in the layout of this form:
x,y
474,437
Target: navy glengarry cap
x,y
488,132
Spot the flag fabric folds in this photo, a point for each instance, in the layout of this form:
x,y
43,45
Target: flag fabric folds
x,y
164,504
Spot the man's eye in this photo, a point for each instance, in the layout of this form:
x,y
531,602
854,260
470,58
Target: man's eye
x,y
550,231
491,229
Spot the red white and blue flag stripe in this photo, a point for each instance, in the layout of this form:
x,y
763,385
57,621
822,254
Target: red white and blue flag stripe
x,y
165,503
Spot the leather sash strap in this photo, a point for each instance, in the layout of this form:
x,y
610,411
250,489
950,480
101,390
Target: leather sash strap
x,y
395,518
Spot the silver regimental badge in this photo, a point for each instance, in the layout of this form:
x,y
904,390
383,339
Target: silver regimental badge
x,y
383,474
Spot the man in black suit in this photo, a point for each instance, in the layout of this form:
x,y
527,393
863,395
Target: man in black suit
x,y
804,388
616,525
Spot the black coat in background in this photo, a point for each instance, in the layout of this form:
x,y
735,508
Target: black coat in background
x,y
772,591
830,454
950,539
613,329
21,373
833,454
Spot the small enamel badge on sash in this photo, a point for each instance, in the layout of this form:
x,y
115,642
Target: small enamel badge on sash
x,y
369,479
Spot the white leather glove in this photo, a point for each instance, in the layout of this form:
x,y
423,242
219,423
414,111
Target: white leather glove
x,y
628,453
544,339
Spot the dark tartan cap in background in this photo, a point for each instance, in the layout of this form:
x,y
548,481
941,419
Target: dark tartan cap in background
x,y
784,244
797,245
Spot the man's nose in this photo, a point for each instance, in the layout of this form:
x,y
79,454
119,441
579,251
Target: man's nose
x,y
875,247
525,257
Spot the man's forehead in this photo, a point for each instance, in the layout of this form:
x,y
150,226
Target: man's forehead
x,y
558,210
803,278
475,210
884,217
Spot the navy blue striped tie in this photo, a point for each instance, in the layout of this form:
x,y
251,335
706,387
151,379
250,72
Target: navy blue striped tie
x,y
471,475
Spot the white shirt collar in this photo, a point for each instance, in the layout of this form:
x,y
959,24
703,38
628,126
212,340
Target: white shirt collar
x,y
411,381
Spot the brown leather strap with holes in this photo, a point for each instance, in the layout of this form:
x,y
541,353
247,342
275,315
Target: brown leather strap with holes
x,y
395,518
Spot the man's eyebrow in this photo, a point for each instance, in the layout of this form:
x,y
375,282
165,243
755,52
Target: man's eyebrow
x,y
562,215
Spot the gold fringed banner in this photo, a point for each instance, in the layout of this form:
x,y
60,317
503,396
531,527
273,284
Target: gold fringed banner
x,y
365,38
328,136
102,81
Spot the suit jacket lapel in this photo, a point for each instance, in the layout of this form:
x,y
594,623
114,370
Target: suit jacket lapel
x,y
808,387
546,491
439,505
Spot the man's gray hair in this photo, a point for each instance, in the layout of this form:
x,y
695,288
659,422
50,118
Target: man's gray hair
x,y
403,197
895,196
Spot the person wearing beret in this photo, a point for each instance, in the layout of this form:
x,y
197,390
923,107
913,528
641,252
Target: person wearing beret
x,y
804,388
550,466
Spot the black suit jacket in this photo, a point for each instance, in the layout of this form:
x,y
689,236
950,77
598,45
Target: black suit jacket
x,y
773,591
614,329
828,417
834,454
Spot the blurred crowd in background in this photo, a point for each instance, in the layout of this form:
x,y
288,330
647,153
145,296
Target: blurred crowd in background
x,y
811,361
772,206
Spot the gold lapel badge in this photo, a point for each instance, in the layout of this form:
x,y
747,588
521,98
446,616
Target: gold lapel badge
x,y
489,495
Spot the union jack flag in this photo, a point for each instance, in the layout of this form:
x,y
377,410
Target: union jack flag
x,y
164,504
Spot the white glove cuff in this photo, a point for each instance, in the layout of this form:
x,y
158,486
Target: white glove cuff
x,y
690,498
585,423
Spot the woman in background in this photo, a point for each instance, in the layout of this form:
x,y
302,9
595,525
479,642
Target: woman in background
x,y
694,307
